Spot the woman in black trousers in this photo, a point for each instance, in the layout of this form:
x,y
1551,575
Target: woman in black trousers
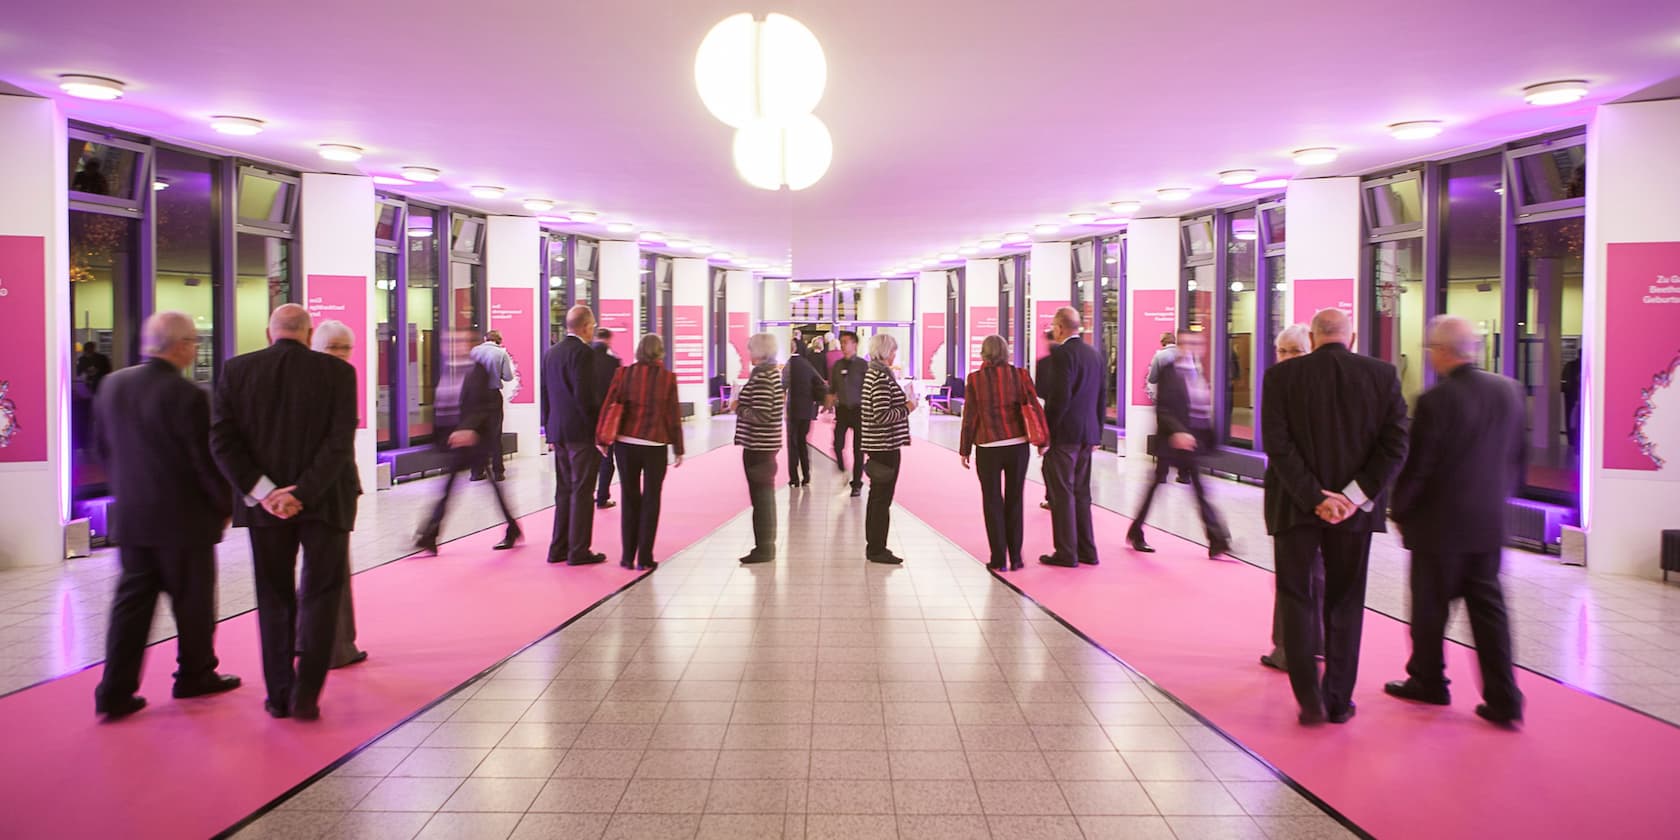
x,y
758,431
648,424
992,421
886,430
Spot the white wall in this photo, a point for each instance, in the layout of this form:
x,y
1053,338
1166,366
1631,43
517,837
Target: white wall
x,y
691,285
930,299
620,271
981,290
337,238
1324,236
1152,262
741,296
512,260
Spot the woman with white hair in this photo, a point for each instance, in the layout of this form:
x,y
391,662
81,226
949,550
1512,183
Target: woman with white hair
x,y
335,338
1295,341
993,422
758,431
886,430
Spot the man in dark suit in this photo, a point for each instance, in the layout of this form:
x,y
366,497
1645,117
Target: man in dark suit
x,y
1467,457
285,437
1183,430
607,363
804,386
170,509
1074,407
469,419
570,408
1043,369
1335,435
845,393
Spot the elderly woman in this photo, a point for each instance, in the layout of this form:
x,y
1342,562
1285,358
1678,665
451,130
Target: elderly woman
x,y
991,421
1295,340
886,430
335,338
649,423
758,431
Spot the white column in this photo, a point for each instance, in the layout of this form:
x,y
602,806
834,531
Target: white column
x,y
620,272
980,311
35,349
1630,322
775,305
741,296
1051,289
1153,265
337,244
513,271
932,333
1323,247
691,330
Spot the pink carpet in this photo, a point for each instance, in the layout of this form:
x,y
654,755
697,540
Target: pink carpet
x,y
183,769
1583,767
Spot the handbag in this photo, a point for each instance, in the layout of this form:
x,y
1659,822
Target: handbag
x,y
1037,425
612,416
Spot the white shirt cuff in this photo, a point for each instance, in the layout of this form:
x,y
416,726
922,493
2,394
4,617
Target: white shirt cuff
x,y
260,491
1357,496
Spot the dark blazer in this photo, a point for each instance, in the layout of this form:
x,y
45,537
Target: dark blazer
x,y
1467,457
845,380
1331,417
479,403
153,436
606,364
571,402
288,413
1073,396
804,387
1172,402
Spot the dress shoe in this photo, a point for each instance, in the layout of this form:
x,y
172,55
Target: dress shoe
x,y
214,684
1311,717
588,560
886,558
1504,720
806,482
606,505
793,483
427,543
1053,560
1015,564
478,476
856,492
510,539
1410,689
275,710
306,711
627,563
1183,479
501,477
1218,548
648,566
1343,714
1091,562
1273,663
556,560
119,709
358,658
753,558
998,567
1136,541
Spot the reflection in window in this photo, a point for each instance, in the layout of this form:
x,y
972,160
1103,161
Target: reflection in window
x,y
1549,260
385,310
1471,247
102,169
419,357
265,200
1241,322
1397,272
263,282
559,291
1396,203
185,249
1553,175
1198,298
102,253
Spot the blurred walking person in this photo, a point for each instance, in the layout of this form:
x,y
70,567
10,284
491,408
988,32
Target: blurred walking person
x,y
468,410
803,386
1183,431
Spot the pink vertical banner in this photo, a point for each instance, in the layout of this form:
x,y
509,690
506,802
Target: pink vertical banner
x,y
1642,357
1314,295
343,297
23,350
1044,311
619,315
513,314
739,331
688,337
933,338
1154,311
982,321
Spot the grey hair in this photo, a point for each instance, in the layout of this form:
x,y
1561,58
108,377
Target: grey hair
x,y
882,345
1067,318
330,333
761,348
289,320
163,330
994,350
650,350
1456,336
1294,337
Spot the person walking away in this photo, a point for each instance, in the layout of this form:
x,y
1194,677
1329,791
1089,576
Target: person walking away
x,y
993,423
648,425
1074,407
571,407
758,431
886,430
1183,430
607,363
845,389
336,339
803,386
495,358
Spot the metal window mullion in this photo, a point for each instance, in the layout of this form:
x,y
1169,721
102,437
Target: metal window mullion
x,y
1508,274
1218,362
397,358
225,274
1265,349
1434,256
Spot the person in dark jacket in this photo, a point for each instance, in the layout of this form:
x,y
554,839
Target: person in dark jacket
x,y
168,514
1295,341
1466,459
1043,369
1183,430
804,386
336,339
845,394
1073,405
571,407
650,424
465,426
993,427
607,363
758,431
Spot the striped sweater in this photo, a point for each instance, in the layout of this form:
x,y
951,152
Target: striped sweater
x,y
886,417
758,410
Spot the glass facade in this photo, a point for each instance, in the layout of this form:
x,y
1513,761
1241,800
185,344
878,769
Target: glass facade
x,y
1111,323
419,356
1242,325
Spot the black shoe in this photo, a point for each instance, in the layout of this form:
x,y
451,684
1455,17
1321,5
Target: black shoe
x,y
1504,720
427,543
886,558
1053,560
806,482
357,659
606,504
1015,564
214,684
1311,717
509,540
1136,541
1218,548
793,482
1410,689
588,560
856,492
627,563
1342,715
276,710
306,711
119,709
501,477
478,476
649,566
998,567
556,560
753,558
1183,479
1267,660
1091,562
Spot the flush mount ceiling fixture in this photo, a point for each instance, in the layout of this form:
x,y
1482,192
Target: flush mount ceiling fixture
x,y
763,78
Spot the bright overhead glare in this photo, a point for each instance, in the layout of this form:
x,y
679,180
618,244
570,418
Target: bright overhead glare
x,y
968,250
747,70
1111,260
1124,208
653,236
1315,156
485,191
1237,177
768,155
584,216
419,232
341,152
555,220
991,244
236,126
676,243
1190,285
620,227
1555,93
423,174
1415,129
948,257
723,256
160,185
538,205
1081,218
1172,193
1268,184
1236,285
1046,229
1016,237
90,87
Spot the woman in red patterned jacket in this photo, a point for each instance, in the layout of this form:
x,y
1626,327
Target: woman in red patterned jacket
x,y
991,420
648,424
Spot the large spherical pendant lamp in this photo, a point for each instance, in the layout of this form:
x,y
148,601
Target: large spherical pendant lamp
x,y
749,70
768,155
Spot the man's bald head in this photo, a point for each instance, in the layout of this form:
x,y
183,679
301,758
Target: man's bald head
x,y
1331,326
1065,323
289,321
580,321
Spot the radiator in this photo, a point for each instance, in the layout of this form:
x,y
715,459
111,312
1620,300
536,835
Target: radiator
x,y
1534,525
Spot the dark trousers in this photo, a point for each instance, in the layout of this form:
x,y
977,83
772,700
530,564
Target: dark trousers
x,y
760,468
1067,473
1436,580
1278,654
492,464
309,607
344,634
1345,557
1186,462
603,481
576,466
1003,478
877,515
799,449
460,460
641,481
846,417
188,577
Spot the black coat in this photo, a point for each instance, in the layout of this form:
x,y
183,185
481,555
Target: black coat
x,y
1330,417
571,392
1172,403
1073,401
1467,457
606,364
153,436
804,387
288,413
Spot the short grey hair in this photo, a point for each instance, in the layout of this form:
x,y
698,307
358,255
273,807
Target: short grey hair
x,y
331,333
1456,336
994,350
1067,318
1294,337
650,350
761,348
163,330
882,345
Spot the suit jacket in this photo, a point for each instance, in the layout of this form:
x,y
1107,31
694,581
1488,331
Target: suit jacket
x,y
1467,457
152,433
804,387
481,403
1073,394
1331,418
288,413
571,401
606,364
1172,402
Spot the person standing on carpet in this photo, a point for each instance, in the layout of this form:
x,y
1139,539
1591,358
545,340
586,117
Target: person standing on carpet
x,y
495,358
1043,369
607,363
283,435
996,396
336,339
803,386
845,389
1293,342
571,408
468,412
886,430
168,514
649,423
1335,432
1073,404
1183,430
1467,457
758,431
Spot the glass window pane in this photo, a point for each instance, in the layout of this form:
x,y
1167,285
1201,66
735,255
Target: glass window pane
x,y
1549,260
264,200
1276,227
1198,288
1198,237
421,353
1397,272
588,258
1112,347
103,317
464,234
100,169
559,294
1472,248
1241,322
263,282
1395,203
385,310
186,243
1280,291
1553,175
386,218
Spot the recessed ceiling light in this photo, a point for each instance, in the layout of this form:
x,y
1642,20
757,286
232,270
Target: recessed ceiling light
x,y
1314,156
991,244
949,257
1173,193
1237,177
584,216
701,248
341,152
485,191
1016,237
1555,93
676,243
391,181
538,205
237,126
968,250
620,227
555,220
90,87
1046,228
1268,184
422,174
723,256
653,236
1415,129
1236,285
1081,218
1125,208
419,232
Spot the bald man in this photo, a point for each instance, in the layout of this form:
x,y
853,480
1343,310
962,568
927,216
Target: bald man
x,y
571,405
1073,405
1467,457
284,436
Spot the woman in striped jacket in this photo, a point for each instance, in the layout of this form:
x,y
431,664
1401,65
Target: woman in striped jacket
x,y
991,420
886,429
649,424
758,431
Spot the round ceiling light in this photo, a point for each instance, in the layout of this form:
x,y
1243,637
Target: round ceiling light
x,y
90,87
485,191
1046,229
749,70
620,227
422,174
1081,218
1314,156
1237,177
652,236
991,244
1415,129
1555,93
701,249
1016,237
419,227
1173,193
237,126
341,152
768,155
538,205
1124,208
676,243
1268,184
584,216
